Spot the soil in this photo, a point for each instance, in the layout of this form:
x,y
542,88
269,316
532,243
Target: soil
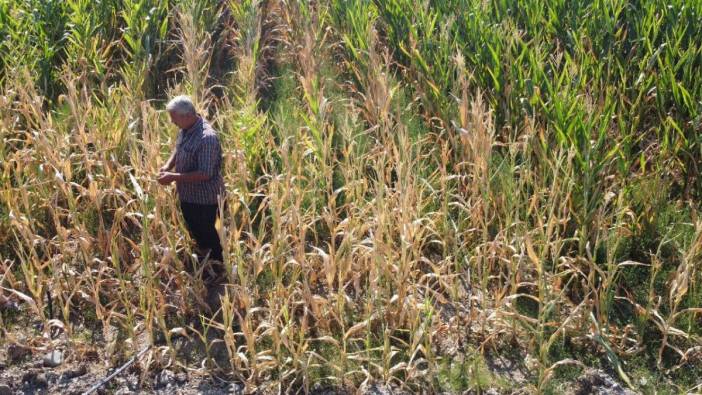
x,y
94,354
76,377
90,360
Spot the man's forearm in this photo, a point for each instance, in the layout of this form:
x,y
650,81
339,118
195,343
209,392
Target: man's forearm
x,y
170,163
193,176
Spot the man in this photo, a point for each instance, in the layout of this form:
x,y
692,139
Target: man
x,y
197,159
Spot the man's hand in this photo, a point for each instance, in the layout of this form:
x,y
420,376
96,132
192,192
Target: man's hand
x,y
164,168
165,178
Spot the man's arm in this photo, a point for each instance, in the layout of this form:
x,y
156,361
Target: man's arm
x,y
169,163
193,176
208,158
166,178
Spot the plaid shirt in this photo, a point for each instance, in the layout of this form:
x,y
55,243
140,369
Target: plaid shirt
x,y
198,149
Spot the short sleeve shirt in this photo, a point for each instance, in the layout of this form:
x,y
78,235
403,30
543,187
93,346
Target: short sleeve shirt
x,y
198,149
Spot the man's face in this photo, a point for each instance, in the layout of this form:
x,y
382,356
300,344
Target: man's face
x,y
180,120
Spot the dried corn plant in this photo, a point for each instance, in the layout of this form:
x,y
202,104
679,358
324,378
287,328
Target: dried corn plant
x,y
416,191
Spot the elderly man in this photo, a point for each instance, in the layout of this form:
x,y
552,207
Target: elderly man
x,y
197,159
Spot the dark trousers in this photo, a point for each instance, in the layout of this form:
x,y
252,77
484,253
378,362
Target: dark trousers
x,y
200,221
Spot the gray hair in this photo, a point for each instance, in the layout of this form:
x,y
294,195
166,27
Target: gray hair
x,y
181,105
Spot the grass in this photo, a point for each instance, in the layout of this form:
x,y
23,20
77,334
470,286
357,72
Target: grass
x,y
522,173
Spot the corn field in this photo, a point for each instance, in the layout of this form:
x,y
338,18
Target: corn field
x,y
416,190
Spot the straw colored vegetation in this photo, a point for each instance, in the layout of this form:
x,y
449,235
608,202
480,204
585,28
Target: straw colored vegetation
x,y
417,189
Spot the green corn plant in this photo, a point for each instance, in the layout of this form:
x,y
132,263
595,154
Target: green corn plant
x,y
35,29
87,48
145,29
